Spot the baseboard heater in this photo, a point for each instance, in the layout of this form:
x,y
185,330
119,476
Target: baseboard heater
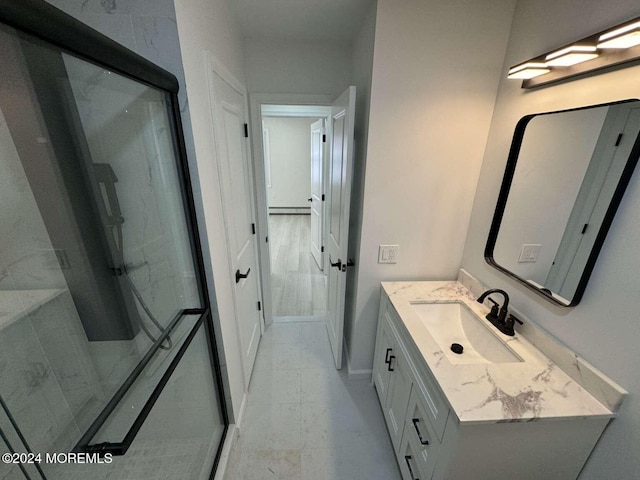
x,y
289,210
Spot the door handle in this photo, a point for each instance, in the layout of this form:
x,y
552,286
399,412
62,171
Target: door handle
x,y
310,199
240,276
338,264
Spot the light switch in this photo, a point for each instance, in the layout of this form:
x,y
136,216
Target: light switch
x,y
529,253
388,253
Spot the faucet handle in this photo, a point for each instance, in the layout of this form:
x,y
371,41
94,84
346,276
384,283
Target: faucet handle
x,y
512,319
494,308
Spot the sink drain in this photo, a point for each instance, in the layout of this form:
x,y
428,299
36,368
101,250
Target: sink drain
x,y
457,348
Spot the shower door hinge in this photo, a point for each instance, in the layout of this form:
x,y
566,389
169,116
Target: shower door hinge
x,y
253,228
259,306
584,229
323,197
324,138
246,130
266,239
618,140
321,249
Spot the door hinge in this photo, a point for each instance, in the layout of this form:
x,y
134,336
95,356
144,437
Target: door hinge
x,y
266,239
253,228
259,306
618,140
324,138
323,197
246,130
321,249
584,229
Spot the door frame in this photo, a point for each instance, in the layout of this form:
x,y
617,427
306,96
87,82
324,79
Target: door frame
x,y
309,105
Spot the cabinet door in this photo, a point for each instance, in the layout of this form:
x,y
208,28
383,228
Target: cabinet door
x,y
381,369
400,383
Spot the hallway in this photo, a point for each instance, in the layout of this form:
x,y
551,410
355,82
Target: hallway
x,y
306,420
297,284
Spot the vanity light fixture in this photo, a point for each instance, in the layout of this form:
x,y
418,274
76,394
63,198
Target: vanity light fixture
x,y
528,70
612,48
571,55
623,37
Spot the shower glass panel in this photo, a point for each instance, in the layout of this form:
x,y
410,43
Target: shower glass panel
x,y
106,338
17,466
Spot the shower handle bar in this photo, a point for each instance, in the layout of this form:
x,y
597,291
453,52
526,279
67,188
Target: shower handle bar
x,y
83,443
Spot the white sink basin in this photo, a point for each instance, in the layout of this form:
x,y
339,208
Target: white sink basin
x,y
450,323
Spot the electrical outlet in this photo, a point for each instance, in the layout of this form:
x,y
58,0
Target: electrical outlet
x,y
388,253
529,253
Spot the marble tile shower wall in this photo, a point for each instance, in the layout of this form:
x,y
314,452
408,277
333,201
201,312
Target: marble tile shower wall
x,y
126,131
43,380
48,379
27,258
149,28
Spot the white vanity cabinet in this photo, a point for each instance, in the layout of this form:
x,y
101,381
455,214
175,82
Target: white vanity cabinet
x,y
431,442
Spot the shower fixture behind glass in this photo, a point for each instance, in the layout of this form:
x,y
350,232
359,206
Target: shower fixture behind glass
x,y
107,179
107,343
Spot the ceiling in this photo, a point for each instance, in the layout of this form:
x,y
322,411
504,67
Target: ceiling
x,y
318,20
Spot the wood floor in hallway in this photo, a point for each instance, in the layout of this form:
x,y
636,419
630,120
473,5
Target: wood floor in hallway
x,y
297,284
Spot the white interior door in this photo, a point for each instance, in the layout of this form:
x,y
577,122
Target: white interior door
x,y
591,206
317,191
340,171
228,106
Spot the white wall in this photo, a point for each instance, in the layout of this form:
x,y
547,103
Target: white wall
x,y
362,62
604,327
290,159
287,66
209,26
436,69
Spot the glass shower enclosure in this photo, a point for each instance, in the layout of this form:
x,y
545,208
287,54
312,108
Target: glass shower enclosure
x,y
108,360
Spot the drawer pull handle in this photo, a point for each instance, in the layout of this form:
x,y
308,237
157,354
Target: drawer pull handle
x,y
389,365
415,425
406,459
386,357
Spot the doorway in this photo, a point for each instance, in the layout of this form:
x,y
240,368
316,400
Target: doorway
x,y
294,181
331,199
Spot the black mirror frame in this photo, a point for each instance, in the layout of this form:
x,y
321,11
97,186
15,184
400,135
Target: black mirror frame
x,y
505,187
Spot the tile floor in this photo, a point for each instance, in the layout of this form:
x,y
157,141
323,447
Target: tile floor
x,y
307,420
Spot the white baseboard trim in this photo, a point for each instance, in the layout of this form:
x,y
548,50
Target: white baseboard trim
x,y
351,373
289,211
229,442
243,408
300,318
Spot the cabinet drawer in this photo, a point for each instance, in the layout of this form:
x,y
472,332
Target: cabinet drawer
x,y
409,461
420,434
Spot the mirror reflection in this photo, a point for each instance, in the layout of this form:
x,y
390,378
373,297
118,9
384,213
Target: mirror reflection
x,y
565,177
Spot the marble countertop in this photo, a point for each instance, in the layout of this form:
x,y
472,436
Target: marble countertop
x,y
534,389
15,304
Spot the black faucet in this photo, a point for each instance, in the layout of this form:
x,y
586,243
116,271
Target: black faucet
x,y
499,315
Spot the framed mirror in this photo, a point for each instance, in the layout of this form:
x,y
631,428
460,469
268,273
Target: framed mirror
x,y
565,177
